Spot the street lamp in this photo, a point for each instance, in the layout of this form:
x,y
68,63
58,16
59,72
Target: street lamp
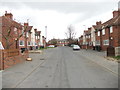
x,y
46,32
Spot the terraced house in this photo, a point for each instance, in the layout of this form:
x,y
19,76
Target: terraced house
x,y
15,40
105,34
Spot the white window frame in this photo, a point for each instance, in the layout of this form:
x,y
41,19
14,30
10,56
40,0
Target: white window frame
x,y
106,42
103,32
97,42
27,34
98,33
111,29
29,44
15,30
22,42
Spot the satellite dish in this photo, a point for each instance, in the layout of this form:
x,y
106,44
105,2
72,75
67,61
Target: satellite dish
x,y
1,46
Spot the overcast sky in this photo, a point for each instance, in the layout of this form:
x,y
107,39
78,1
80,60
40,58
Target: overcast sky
x,y
58,14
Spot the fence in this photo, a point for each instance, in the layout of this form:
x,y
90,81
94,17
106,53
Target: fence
x,y
10,52
11,57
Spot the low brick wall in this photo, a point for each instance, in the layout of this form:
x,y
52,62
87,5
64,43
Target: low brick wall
x,y
9,61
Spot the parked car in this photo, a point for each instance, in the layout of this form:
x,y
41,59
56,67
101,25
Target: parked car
x,y
72,45
76,47
51,46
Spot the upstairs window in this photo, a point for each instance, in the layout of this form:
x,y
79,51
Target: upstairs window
x,y
15,30
98,33
21,43
111,29
103,32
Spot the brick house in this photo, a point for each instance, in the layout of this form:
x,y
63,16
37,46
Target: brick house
x,y
62,42
44,41
103,35
33,46
93,37
84,46
25,40
37,38
98,34
81,41
10,29
88,38
111,33
108,33
9,36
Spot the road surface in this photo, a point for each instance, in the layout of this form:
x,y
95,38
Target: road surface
x,y
65,68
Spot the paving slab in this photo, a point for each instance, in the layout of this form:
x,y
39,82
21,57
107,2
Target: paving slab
x,y
14,75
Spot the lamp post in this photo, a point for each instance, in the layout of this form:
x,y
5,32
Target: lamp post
x,y
46,32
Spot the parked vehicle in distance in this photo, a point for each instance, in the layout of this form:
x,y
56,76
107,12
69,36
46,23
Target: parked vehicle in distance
x,y
72,45
52,46
76,47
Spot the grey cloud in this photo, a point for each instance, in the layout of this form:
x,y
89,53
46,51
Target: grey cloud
x,y
88,9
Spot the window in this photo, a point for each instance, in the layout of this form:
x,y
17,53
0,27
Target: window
x,y
90,43
98,33
35,43
103,32
98,42
15,30
105,42
22,29
27,34
29,43
21,43
111,29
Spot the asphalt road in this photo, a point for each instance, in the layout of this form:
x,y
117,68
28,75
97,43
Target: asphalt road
x,y
65,68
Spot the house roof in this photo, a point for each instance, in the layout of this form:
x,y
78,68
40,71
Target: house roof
x,y
111,22
28,28
37,33
9,22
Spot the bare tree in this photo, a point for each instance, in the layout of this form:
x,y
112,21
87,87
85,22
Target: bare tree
x,y
9,31
70,33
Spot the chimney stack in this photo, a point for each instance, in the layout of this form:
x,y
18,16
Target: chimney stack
x,y
116,13
98,23
8,15
35,30
89,28
26,24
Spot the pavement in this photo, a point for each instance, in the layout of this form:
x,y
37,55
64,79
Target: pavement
x,y
16,74
100,58
62,67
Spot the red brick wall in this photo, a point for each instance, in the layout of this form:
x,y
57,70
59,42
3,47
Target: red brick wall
x,y
8,24
11,61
